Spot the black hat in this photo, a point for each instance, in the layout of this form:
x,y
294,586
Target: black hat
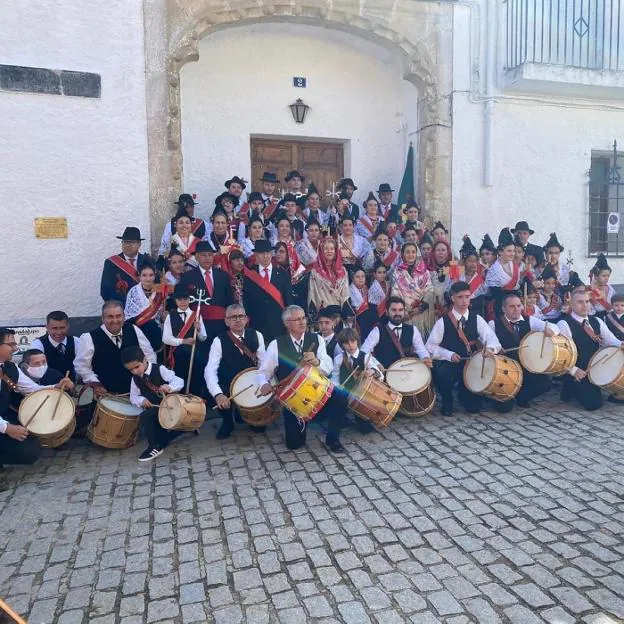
x,y
575,281
293,174
131,234
347,182
487,244
426,238
204,246
553,242
312,189
369,198
522,226
329,312
439,225
467,249
289,197
268,176
548,273
181,291
235,200
505,238
185,198
262,245
385,188
236,179
601,264
254,196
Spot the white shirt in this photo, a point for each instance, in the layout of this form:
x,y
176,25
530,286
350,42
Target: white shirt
x,y
169,377
170,339
203,272
370,362
337,348
486,336
25,386
37,344
270,361
214,359
536,324
261,270
418,346
607,339
84,355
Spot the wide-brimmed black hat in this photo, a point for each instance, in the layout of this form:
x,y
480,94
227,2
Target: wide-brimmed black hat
x,y
329,311
237,180
553,242
254,196
181,291
235,200
522,226
262,245
185,198
294,174
203,246
347,182
131,234
268,176
385,188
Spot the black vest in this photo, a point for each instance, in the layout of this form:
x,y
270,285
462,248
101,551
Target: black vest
x,y
508,338
106,362
346,369
155,378
57,361
176,324
451,340
232,360
10,370
618,333
331,346
288,356
585,346
386,352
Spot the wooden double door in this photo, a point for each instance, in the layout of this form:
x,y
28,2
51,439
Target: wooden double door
x,y
321,163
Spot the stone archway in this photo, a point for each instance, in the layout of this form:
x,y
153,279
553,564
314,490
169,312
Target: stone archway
x,y
173,29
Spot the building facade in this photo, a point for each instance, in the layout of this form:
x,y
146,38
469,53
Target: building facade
x,y
512,113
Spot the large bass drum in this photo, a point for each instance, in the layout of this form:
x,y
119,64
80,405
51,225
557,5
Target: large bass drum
x,y
547,355
304,392
49,415
255,410
115,424
606,370
498,378
412,378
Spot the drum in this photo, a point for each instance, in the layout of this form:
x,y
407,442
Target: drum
x,y
255,410
181,412
412,378
606,370
115,423
500,378
84,404
375,401
304,392
49,415
558,355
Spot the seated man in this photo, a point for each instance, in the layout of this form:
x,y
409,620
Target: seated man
x,y
454,338
282,357
510,328
231,352
148,386
16,445
98,360
589,333
35,366
59,347
395,339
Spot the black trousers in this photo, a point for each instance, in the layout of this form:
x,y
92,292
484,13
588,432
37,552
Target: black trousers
x,y
585,392
157,436
16,452
334,410
445,376
532,386
229,415
182,356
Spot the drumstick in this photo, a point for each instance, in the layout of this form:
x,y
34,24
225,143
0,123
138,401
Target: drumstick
x,y
483,360
355,370
543,343
60,396
5,607
36,411
190,371
606,358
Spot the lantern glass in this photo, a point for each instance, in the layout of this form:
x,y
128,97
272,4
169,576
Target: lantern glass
x,y
299,110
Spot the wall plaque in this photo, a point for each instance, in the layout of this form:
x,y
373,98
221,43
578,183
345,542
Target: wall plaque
x,y
51,227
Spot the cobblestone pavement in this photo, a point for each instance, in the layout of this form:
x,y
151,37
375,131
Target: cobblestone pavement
x,y
515,518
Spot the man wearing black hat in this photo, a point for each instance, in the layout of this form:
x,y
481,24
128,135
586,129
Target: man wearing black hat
x,y
266,292
186,205
347,187
388,210
522,231
294,181
214,286
269,184
121,272
236,186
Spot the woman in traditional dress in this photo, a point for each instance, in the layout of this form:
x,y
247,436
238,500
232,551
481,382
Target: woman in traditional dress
x,y
253,231
353,247
365,312
425,245
439,266
368,223
600,291
329,284
176,267
226,204
221,239
504,276
313,208
381,252
553,249
186,206
411,281
144,305
379,290
184,241
307,248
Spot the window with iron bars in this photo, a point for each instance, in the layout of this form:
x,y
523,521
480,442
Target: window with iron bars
x,y
606,204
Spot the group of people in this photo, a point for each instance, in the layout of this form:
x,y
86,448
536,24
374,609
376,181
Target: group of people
x,y
277,282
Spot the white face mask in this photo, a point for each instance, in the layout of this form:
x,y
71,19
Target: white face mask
x,y
37,372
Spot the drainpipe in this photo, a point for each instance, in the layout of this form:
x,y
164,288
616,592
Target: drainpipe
x,y
491,56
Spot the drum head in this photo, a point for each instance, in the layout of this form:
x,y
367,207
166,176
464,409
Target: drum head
x,y
602,372
43,423
247,398
531,349
120,407
408,376
472,374
169,413
85,395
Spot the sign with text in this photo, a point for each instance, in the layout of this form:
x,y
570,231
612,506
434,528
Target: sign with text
x,y
300,81
51,227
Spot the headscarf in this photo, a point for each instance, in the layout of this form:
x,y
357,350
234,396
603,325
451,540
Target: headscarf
x,y
331,273
274,261
419,267
432,265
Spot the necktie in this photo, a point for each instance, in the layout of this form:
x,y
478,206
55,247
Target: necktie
x,y
299,347
117,340
183,316
60,348
132,261
353,362
266,274
397,332
516,327
209,285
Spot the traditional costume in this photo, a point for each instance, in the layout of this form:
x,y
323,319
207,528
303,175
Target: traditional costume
x,y
146,312
504,278
198,227
600,296
390,342
329,284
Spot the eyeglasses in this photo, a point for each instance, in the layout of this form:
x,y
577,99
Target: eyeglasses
x,y
296,320
236,317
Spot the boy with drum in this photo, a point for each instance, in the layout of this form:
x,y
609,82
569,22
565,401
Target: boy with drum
x,y
149,384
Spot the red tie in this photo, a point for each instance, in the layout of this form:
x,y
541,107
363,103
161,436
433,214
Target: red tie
x,y
209,285
266,274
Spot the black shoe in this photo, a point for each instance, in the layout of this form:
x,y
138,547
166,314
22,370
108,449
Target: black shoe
x,y
224,432
446,409
335,447
364,426
150,453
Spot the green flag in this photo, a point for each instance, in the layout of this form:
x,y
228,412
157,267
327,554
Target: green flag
x,y
406,192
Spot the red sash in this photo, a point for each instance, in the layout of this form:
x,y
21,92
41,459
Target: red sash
x,y
197,223
475,283
268,211
181,334
191,248
381,308
243,213
261,283
390,258
554,304
152,309
243,347
363,307
598,298
512,283
126,267
372,227
469,344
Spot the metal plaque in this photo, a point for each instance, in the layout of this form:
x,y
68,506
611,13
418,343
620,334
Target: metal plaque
x,y
51,227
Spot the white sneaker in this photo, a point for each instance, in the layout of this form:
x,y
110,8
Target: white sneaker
x,y
150,453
